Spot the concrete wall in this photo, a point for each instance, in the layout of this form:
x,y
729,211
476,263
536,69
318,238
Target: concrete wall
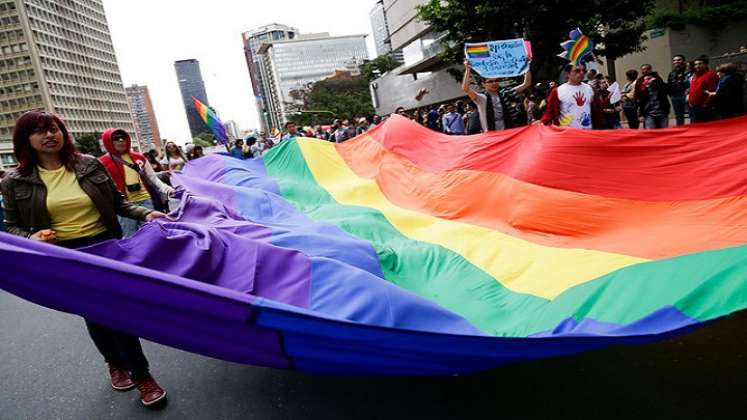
x,y
657,53
392,91
692,42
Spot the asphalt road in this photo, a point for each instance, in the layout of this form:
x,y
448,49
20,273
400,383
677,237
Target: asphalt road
x,y
49,369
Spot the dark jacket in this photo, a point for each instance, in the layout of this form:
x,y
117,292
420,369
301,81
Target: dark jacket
x,y
651,93
25,199
729,98
473,123
678,81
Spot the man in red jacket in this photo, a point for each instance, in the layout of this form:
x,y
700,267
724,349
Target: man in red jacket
x,y
704,80
121,163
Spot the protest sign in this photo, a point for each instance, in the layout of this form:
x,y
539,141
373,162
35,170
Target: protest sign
x,y
506,58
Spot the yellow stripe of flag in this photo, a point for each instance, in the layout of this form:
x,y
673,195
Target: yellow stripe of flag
x,y
519,265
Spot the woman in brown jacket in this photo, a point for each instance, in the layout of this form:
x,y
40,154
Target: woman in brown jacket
x,y
58,196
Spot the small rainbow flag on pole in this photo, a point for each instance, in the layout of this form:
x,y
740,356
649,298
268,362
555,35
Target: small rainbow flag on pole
x,y
211,120
478,51
577,47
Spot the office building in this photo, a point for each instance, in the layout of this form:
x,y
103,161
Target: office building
x,y
232,129
423,69
292,65
58,56
381,34
252,41
146,126
191,84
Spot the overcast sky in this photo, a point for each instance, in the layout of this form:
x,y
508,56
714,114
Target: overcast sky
x,y
150,35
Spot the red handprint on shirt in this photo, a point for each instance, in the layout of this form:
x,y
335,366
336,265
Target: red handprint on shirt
x,y
580,98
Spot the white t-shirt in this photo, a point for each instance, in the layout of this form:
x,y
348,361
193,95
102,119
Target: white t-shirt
x,y
481,100
575,105
174,164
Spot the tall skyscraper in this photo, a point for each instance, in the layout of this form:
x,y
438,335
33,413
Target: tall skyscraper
x,y
291,65
252,41
57,55
146,126
380,29
190,83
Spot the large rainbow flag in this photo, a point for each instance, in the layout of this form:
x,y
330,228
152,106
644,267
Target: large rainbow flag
x,y
405,251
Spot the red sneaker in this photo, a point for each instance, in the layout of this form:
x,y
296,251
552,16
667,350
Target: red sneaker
x,y
120,379
150,391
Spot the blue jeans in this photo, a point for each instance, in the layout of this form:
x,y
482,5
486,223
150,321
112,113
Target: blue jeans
x,y
130,226
679,104
656,122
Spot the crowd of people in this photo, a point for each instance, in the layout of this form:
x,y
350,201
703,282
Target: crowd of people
x,y
591,100
587,100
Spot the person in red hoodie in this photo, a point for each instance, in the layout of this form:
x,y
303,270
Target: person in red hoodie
x,y
704,80
133,175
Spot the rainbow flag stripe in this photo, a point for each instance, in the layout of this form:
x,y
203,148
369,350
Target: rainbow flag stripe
x,y
478,51
211,120
577,47
405,251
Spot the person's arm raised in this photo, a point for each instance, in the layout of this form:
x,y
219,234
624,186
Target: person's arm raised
x,y
466,81
527,81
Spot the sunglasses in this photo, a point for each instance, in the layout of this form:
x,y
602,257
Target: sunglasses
x,y
119,138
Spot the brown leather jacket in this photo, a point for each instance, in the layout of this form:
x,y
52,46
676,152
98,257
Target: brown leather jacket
x,y
25,199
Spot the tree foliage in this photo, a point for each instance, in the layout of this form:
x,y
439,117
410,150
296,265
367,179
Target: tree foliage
x,y
330,99
199,141
89,144
616,26
373,69
714,16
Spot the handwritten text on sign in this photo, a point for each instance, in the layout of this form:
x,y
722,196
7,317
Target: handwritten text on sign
x,y
507,58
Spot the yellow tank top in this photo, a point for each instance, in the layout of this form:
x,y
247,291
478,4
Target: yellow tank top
x,y
71,211
133,178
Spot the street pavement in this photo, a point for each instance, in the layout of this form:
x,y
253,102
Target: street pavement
x,y
49,369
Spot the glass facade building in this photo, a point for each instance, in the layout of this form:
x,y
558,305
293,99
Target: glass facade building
x,y
292,65
381,33
191,84
58,56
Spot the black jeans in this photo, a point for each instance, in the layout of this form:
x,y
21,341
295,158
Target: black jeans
x,y
631,114
119,349
699,113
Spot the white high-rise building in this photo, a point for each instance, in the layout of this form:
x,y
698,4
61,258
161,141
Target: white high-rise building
x,y
57,55
291,65
252,41
232,129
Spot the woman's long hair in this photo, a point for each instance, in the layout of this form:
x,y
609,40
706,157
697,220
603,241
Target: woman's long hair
x,y
26,156
176,154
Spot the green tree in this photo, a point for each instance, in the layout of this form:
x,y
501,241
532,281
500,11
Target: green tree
x,y
616,26
330,99
373,69
89,144
199,141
